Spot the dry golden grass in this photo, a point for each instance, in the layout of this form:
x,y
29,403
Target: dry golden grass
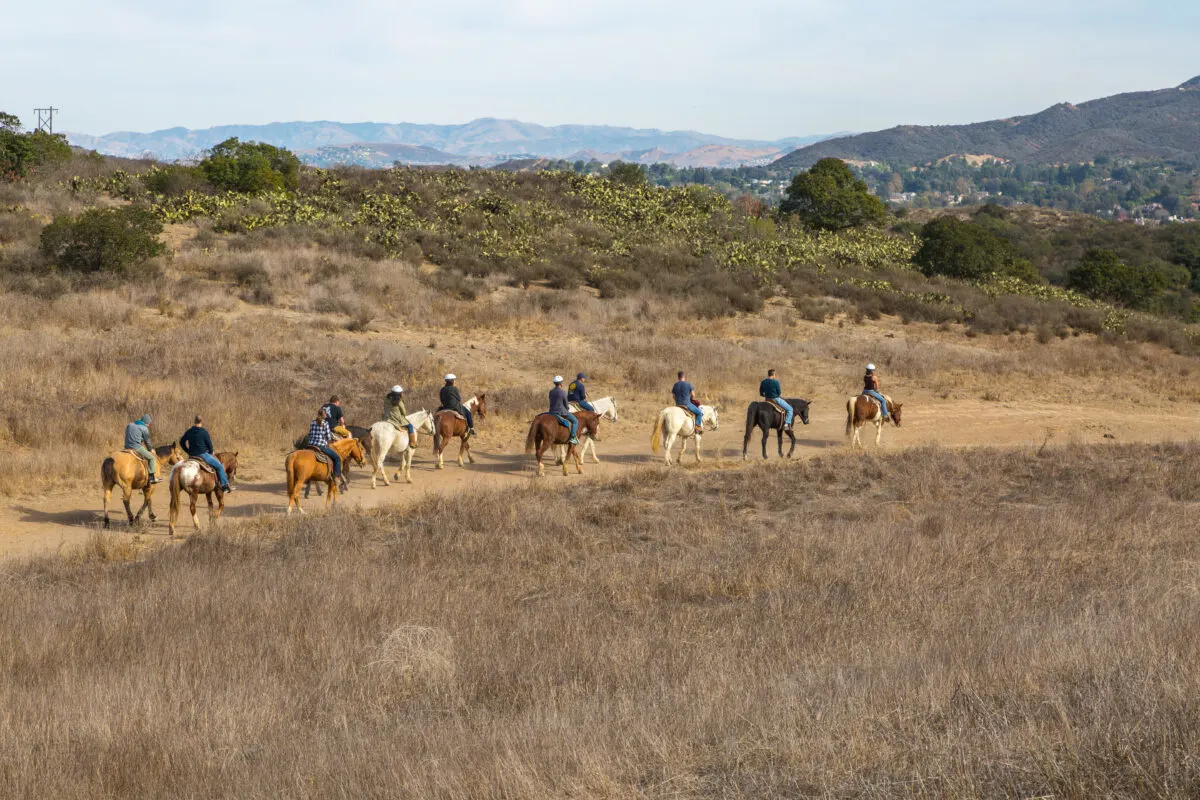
x,y
930,624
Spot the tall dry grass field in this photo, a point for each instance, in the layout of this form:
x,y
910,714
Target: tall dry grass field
x,y
928,624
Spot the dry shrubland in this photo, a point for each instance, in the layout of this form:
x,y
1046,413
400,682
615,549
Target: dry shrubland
x,y
928,624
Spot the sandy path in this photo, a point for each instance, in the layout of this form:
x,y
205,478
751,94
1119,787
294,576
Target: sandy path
x,y
42,524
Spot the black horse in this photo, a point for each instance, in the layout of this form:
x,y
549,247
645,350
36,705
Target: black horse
x,y
762,414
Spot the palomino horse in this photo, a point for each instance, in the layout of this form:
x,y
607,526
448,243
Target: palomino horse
x,y
386,440
448,425
126,470
302,466
194,477
606,407
863,409
547,431
765,416
673,422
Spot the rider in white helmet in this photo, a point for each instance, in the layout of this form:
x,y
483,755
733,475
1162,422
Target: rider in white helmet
x,y
394,411
871,389
451,400
560,409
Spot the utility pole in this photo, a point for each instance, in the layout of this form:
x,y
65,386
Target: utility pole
x,y
45,118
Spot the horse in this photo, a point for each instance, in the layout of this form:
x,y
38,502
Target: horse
x,y
863,409
673,422
449,425
356,432
302,466
191,477
547,431
606,407
386,440
765,416
130,472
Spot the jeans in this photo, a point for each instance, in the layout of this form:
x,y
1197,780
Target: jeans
x,y
882,400
787,408
337,460
148,455
572,422
411,430
695,409
586,406
215,463
470,419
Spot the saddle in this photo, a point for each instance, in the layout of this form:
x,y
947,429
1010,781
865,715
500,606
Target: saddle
x,y
561,420
203,465
451,411
321,457
775,406
687,411
136,455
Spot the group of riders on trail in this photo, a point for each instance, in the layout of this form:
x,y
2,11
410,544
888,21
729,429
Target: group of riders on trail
x,y
196,442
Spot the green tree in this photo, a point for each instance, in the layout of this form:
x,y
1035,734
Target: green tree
x,y
968,251
625,173
250,167
829,196
21,153
1103,275
117,240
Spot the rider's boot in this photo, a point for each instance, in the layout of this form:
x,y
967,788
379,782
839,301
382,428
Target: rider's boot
x,y
226,489
470,432
153,478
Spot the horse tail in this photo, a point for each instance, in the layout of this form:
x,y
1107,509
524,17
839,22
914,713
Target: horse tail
x,y
850,416
174,484
656,436
437,435
108,472
289,466
531,437
751,412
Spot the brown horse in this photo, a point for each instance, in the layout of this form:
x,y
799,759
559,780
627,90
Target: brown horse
x,y
862,409
447,425
189,476
128,471
302,466
546,432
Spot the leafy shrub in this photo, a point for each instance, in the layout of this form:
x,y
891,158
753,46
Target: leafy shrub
x,y
968,251
114,240
830,197
175,180
625,173
22,152
250,167
1102,274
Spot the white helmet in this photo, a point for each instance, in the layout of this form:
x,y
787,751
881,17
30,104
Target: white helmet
x,y
558,378
397,389
450,376
870,367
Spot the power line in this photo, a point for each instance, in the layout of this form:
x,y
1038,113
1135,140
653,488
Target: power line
x,y
45,118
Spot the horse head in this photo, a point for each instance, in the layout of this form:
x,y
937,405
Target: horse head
x,y
426,424
710,416
610,413
481,405
589,424
229,461
894,413
170,454
358,452
801,409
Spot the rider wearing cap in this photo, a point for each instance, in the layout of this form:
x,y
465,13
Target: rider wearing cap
x,y
871,389
577,393
451,400
394,411
559,407
772,392
137,439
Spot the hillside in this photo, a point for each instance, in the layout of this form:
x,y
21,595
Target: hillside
x,y
1154,124
481,141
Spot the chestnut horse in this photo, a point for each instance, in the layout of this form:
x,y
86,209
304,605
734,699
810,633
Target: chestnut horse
x,y
302,466
546,431
863,409
126,470
447,425
193,476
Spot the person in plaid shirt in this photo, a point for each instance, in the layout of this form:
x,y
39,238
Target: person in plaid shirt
x,y
319,437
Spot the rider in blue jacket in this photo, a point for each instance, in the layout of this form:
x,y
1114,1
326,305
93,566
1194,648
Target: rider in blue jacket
x,y
577,393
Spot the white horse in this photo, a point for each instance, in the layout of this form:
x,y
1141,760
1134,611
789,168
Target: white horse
x,y
606,407
676,422
386,440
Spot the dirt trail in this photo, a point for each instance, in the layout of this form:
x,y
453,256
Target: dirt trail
x,y
44,524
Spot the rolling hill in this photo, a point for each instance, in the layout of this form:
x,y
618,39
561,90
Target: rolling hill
x,y
1155,124
482,141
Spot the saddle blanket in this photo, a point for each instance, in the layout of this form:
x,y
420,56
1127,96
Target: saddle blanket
x,y
561,420
688,411
324,459
204,465
451,411
775,406
136,455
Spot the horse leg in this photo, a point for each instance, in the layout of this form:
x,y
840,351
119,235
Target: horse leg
x,y
467,446
667,449
107,497
331,491
746,441
591,443
878,430
439,452
560,454
193,496
406,464
779,436
220,505
578,460
698,458
791,449
766,434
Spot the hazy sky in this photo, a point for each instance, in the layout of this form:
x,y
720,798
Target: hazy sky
x,y
751,68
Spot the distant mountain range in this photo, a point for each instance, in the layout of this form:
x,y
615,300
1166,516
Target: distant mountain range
x,y
481,142
1156,124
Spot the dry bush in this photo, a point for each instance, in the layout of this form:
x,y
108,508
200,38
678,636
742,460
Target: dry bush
x,y
928,624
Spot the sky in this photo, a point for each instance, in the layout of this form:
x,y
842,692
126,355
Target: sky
x,y
760,69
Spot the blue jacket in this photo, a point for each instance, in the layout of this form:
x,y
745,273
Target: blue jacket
x,y
196,441
137,434
576,392
558,401
770,389
682,392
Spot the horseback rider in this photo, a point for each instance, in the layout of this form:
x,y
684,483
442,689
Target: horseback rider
x,y
137,440
395,413
772,392
560,409
451,400
577,393
871,389
198,444
335,418
685,397
319,437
